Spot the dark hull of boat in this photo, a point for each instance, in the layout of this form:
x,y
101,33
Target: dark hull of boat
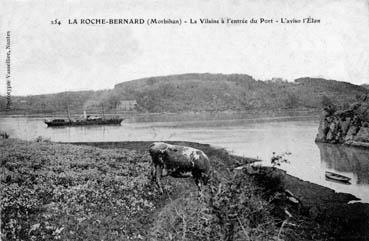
x,y
84,123
337,178
340,182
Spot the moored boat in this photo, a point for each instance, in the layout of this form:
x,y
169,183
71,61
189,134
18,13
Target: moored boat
x,y
337,177
84,122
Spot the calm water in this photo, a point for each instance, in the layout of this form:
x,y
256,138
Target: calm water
x,y
258,139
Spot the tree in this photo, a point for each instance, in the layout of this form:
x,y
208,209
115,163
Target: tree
x,y
291,101
2,103
113,101
325,102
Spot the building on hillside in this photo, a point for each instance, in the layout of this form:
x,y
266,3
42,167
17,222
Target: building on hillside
x,y
278,80
127,105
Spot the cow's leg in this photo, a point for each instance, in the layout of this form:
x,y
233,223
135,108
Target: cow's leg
x,y
153,173
197,178
205,178
198,183
158,174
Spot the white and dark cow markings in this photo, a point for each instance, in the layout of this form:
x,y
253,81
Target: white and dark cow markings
x,y
179,161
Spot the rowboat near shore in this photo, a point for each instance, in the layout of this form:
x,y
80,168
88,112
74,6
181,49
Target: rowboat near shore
x,y
337,177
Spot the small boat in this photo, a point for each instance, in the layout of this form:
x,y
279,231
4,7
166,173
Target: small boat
x,y
337,177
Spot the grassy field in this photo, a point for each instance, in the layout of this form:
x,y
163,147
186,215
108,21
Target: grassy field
x,y
55,191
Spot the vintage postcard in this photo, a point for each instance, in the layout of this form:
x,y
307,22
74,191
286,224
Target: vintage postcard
x,y
184,120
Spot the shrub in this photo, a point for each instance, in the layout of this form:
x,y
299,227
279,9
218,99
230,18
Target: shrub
x,y
52,191
229,208
278,159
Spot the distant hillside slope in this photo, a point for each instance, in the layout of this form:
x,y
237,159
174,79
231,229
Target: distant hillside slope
x,y
51,103
201,92
218,92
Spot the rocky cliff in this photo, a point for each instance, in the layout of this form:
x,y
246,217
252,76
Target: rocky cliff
x,y
348,126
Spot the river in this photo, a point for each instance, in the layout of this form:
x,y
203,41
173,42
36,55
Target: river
x,y
251,138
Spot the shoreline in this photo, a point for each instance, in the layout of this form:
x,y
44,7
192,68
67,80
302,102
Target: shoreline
x,y
138,145
74,171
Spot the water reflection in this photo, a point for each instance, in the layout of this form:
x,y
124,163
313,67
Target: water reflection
x,y
346,159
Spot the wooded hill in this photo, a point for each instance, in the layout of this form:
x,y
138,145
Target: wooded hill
x,y
199,92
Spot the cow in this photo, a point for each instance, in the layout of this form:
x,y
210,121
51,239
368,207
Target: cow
x,y
179,161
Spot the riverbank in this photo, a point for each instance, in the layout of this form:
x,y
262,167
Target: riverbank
x,y
64,191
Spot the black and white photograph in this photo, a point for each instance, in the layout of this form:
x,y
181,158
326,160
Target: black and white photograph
x,y
184,120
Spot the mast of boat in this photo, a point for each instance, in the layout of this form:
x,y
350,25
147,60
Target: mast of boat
x,y
102,110
68,112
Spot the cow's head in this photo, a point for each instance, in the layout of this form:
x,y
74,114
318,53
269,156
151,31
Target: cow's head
x,y
158,151
158,147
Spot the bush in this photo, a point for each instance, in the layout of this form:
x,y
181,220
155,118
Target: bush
x,y
52,191
229,208
325,101
271,180
278,159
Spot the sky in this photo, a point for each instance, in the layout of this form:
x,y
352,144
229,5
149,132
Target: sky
x,y
47,58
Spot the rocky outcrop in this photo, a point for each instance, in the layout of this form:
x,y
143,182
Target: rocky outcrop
x,y
349,126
